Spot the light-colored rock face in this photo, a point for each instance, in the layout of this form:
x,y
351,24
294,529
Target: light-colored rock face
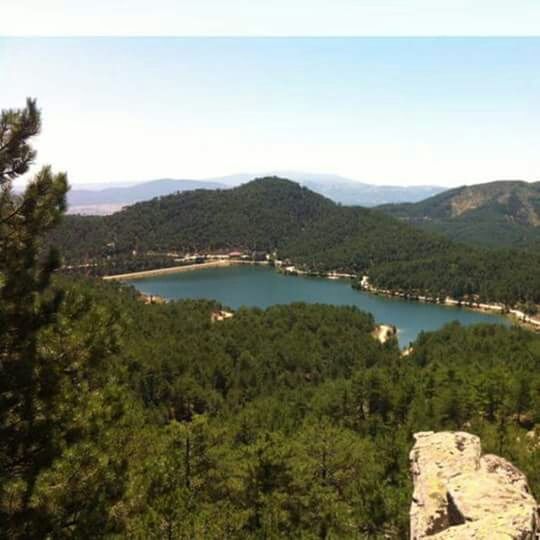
x,y
518,201
461,495
384,332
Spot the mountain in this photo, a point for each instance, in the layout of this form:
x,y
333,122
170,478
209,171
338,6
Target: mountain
x,y
350,192
337,188
309,230
503,213
265,214
343,190
359,194
109,200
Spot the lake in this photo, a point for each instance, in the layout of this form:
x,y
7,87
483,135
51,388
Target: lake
x,y
247,285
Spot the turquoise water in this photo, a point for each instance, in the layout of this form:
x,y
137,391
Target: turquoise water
x,y
247,285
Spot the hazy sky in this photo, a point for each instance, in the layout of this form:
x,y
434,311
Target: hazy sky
x,y
270,17
395,111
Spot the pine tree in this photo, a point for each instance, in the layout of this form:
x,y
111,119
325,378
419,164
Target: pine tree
x,y
27,306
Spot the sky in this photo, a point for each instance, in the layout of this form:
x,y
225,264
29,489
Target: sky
x,y
446,111
270,17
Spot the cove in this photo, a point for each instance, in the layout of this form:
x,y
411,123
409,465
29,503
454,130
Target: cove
x,y
259,286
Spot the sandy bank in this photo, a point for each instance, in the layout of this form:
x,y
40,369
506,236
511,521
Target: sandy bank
x,y
175,269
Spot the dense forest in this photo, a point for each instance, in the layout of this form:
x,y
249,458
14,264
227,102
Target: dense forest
x,y
277,215
261,215
496,214
288,422
120,419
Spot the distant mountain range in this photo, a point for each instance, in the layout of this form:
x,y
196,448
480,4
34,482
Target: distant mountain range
x,y
109,200
350,192
339,189
503,213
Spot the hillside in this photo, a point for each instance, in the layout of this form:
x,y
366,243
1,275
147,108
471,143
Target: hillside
x,y
354,193
108,200
292,411
260,215
263,215
274,214
505,213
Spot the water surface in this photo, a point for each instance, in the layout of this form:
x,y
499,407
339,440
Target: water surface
x,y
246,285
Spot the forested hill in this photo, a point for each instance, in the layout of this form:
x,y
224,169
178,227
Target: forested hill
x,y
311,231
505,213
266,214
260,215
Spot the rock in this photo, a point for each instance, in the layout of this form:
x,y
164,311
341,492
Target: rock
x,y
461,495
221,315
384,332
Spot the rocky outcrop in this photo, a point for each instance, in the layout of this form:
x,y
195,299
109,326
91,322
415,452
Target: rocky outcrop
x,y
384,332
461,495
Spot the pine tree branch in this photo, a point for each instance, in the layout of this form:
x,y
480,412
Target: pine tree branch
x,y
21,207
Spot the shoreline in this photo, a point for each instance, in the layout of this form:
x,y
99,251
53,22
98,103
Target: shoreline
x,y
516,316
176,269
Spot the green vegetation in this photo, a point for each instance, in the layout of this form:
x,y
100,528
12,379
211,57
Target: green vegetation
x,y
261,215
502,276
27,307
287,422
273,214
497,214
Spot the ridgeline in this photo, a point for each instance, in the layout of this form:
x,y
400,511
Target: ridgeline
x,y
496,214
